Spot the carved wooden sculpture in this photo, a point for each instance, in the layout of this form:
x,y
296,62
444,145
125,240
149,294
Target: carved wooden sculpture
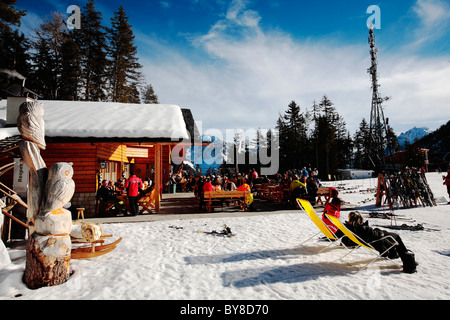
x,y
49,244
31,123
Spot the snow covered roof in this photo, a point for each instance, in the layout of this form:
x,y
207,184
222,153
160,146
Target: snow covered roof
x,y
79,119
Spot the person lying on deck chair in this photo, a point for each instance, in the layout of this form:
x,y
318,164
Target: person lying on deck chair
x,y
357,225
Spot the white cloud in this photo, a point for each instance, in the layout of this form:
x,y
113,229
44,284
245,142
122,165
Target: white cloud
x,y
237,13
434,17
30,22
250,75
432,12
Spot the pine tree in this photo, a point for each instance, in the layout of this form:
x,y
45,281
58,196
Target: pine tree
x,y
323,140
124,67
283,143
325,136
148,95
343,147
47,61
362,144
330,139
41,75
292,127
9,15
134,95
14,47
71,66
93,49
296,134
14,56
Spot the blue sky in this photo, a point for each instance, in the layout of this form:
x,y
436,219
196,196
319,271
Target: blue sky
x,y
238,64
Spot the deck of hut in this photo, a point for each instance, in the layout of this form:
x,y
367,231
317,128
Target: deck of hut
x,y
180,206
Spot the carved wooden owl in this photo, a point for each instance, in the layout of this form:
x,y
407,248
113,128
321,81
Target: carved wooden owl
x,y
31,123
59,187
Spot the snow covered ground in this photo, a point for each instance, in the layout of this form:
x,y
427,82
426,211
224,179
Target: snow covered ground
x,y
264,261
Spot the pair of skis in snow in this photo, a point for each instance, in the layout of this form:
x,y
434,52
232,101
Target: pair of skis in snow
x,y
225,232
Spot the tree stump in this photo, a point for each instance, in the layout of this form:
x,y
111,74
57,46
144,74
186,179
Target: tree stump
x,y
48,250
43,270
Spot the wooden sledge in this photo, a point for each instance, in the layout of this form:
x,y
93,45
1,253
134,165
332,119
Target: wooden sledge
x,y
94,250
14,196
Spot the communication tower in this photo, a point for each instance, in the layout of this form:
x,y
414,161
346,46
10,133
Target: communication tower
x,y
378,123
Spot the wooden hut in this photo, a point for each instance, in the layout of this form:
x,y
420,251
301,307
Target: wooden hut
x,y
104,140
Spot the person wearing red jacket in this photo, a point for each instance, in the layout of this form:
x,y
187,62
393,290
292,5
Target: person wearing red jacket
x,y
333,208
133,184
447,181
208,186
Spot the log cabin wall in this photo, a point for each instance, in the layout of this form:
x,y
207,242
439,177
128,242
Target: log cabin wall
x,y
84,157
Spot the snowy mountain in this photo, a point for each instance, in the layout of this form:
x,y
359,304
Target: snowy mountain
x,y
412,135
438,143
206,157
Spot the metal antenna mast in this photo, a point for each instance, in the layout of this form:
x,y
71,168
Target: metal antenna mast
x,y
378,123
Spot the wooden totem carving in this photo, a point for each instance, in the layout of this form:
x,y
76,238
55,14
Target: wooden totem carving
x,y
48,245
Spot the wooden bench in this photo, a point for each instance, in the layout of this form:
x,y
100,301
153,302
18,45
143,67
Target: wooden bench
x,y
262,190
214,199
147,202
324,192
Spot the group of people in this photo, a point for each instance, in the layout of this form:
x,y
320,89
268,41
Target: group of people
x,y
121,196
224,183
303,183
296,183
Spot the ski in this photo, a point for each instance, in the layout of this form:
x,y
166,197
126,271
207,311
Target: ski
x,y
226,232
408,188
427,188
388,216
417,227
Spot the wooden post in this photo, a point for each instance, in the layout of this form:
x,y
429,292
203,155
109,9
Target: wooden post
x,y
382,191
158,175
48,247
379,191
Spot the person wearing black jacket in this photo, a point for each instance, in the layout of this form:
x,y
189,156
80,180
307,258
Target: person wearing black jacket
x,y
311,188
368,234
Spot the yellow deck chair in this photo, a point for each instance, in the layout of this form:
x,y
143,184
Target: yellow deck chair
x,y
306,206
360,243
